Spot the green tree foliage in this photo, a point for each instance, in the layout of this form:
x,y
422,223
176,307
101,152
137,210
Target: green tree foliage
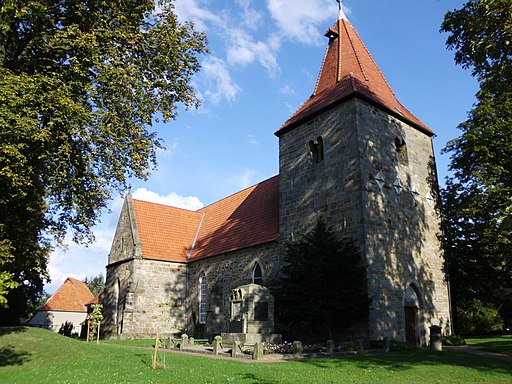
x,y
45,296
476,317
477,200
323,288
95,284
7,282
96,316
81,83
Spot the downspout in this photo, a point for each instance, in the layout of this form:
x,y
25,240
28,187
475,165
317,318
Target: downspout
x,y
187,273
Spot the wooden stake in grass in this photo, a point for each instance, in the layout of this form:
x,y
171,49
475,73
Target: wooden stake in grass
x,y
98,334
88,328
156,351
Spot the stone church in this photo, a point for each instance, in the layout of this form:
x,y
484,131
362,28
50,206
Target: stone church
x,y
351,155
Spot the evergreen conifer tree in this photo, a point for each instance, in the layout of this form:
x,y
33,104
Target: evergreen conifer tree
x,y
323,289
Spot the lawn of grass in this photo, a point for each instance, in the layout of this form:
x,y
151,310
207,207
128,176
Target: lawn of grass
x,y
131,342
499,344
29,355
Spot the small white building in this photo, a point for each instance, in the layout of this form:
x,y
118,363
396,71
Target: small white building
x,y
68,303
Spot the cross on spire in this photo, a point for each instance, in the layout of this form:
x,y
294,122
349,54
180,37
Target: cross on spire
x,y
341,14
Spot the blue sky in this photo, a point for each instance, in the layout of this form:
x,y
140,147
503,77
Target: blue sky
x,y
264,62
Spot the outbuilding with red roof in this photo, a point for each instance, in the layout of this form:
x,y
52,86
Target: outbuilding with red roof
x,y
67,304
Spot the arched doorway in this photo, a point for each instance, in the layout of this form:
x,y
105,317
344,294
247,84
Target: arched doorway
x,y
413,316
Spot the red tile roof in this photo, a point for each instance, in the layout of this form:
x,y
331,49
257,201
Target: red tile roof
x,y
70,297
349,70
242,220
94,300
166,233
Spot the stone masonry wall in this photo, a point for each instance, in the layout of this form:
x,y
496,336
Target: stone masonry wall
x,y
224,273
126,243
152,294
329,189
152,297
402,224
397,232
115,295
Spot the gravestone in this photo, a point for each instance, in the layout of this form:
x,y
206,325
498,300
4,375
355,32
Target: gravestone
x,y
217,345
331,347
184,342
258,351
297,349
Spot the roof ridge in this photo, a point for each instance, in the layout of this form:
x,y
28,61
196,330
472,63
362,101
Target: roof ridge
x,y
319,76
371,58
167,205
236,193
360,65
339,63
77,294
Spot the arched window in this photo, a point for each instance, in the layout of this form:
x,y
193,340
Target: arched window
x,y
401,151
202,299
257,276
313,152
316,150
320,146
117,288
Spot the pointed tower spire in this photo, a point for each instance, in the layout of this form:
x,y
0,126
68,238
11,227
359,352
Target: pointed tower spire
x,y
348,70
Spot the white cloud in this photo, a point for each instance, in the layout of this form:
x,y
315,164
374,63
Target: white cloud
x,y
168,151
251,18
196,11
252,139
221,85
287,90
58,277
300,19
186,202
244,50
80,261
246,179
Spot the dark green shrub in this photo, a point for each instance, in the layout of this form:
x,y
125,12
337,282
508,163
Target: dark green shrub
x,y
66,329
453,340
401,346
477,317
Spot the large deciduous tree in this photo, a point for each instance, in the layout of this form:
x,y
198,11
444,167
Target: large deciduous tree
x,y
323,290
81,83
478,199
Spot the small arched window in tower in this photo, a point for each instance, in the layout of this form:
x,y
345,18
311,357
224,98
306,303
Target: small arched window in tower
x,y
202,299
313,152
257,276
316,150
401,151
320,146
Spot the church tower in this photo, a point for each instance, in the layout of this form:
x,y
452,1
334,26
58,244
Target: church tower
x,y
357,158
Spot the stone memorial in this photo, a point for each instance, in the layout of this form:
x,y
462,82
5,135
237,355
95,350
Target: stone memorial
x,y
251,316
